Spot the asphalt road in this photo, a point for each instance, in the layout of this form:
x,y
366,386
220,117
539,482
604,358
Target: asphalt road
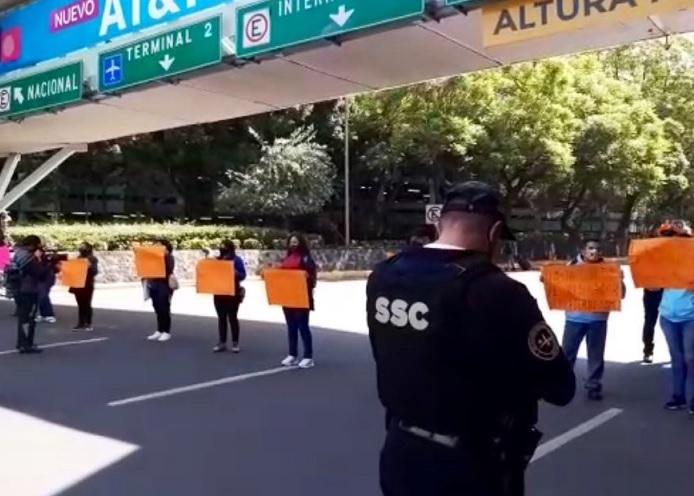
x,y
315,432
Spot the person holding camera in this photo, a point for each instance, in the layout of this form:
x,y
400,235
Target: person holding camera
x,y
26,273
227,307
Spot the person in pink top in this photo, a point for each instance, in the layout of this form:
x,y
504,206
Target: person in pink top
x,y
298,257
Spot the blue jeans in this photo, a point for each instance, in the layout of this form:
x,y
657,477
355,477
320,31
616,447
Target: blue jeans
x,y
680,341
45,304
297,323
595,334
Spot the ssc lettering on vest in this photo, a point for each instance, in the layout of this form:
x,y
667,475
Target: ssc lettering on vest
x,y
400,313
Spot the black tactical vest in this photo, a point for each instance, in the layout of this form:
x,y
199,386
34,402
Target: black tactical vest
x,y
419,323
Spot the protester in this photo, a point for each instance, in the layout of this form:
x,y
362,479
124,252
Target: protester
x,y
651,303
589,326
227,307
24,275
299,258
84,295
161,291
677,322
46,312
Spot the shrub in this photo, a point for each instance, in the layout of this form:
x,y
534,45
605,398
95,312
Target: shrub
x,y
251,244
111,237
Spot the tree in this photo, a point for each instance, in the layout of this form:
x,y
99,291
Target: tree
x,y
294,176
527,126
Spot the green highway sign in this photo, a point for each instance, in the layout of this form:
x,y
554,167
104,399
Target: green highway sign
x,y
40,91
160,56
271,25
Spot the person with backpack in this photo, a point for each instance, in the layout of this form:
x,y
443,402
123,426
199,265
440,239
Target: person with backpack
x,y
24,275
299,258
84,295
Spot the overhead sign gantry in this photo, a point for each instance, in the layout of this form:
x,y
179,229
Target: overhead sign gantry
x,y
81,71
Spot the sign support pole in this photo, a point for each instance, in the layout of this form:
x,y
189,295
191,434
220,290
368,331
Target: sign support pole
x,y
8,171
39,175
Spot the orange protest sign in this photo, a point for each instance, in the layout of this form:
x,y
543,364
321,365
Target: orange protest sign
x,y
149,262
286,288
662,263
73,273
215,277
583,288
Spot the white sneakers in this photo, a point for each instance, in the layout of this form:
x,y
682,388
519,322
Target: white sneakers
x,y
50,320
292,361
155,336
162,337
307,363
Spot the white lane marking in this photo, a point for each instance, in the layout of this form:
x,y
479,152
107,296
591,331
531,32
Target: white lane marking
x,y
44,458
59,345
573,434
201,385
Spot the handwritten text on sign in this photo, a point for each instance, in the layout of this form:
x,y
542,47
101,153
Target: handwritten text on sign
x,y
519,20
583,288
662,263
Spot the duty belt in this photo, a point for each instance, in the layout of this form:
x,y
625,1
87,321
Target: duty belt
x,y
442,439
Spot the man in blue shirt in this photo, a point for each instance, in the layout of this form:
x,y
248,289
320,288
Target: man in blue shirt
x,y
589,326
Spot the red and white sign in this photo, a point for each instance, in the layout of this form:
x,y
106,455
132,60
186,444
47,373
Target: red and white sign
x,y
74,13
10,45
256,28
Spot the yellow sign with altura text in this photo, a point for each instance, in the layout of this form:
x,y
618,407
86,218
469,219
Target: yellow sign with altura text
x,y
519,20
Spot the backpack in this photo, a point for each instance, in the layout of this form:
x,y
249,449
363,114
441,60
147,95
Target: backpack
x,y
13,279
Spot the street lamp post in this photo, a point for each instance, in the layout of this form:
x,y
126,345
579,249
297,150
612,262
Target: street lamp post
x,y
348,236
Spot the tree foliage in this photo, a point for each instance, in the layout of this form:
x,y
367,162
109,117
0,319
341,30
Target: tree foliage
x,y
294,176
576,137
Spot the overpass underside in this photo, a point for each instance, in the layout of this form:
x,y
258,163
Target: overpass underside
x,y
398,55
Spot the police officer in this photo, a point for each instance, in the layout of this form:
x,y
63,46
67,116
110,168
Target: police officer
x,y
463,355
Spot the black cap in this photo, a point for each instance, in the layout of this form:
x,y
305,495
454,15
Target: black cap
x,y
476,197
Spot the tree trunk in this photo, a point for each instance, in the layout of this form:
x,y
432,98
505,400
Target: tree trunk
x,y
622,234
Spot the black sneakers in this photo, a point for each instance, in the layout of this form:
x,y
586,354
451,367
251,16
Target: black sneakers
x,y
595,395
676,404
30,351
647,359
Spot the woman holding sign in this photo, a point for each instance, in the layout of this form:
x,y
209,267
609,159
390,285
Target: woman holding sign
x,y
227,307
299,258
84,295
160,291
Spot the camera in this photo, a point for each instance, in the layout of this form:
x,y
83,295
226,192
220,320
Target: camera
x,y
53,258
